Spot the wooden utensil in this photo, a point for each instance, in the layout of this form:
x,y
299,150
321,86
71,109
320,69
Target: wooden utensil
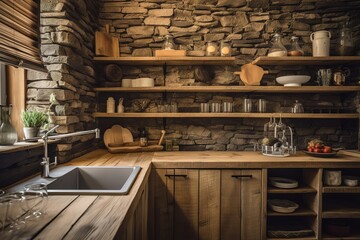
x,y
251,74
105,44
162,136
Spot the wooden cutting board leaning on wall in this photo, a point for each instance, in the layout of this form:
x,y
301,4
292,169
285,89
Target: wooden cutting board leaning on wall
x,y
105,44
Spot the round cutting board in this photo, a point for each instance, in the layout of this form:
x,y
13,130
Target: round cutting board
x,y
117,136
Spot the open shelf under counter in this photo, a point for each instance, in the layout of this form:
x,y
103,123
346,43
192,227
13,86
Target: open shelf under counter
x,y
298,212
345,212
300,189
351,237
227,115
300,238
171,61
245,89
307,60
341,189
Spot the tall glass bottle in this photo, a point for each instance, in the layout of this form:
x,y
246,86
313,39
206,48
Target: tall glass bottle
x,y
277,49
8,134
346,43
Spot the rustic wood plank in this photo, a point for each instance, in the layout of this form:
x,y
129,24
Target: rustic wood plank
x,y
151,205
227,115
251,205
264,186
260,89
164,204
186,218
130,231
264,60
54,207
66,218
209,204
139,219
230,205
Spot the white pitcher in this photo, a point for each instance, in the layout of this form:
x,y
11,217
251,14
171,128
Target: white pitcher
x,y
320,43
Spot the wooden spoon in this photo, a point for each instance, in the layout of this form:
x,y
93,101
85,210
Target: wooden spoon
x,y
162,136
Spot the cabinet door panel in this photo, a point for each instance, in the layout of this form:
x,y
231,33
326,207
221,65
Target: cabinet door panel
x,y
230,205
209,205
164,204
251,205
186,215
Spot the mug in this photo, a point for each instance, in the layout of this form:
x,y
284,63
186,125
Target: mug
x,y
340,76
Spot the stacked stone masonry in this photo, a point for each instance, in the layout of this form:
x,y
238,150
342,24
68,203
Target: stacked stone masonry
x,y
67,49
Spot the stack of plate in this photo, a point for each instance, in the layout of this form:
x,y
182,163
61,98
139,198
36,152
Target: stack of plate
x,y
282,205
283,182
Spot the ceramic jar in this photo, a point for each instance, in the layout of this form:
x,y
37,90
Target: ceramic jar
x,y
320,43
332,177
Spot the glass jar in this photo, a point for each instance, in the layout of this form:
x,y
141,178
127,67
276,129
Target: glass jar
x,y
277,49
298,107
169,43
8,134
346,44
225,48
143,137
211,49
295,49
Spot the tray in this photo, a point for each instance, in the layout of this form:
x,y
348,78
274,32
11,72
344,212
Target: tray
x,y
129,149
321,155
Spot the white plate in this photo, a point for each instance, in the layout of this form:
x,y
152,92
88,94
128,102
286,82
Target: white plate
x,y
293,80
283,182
282,205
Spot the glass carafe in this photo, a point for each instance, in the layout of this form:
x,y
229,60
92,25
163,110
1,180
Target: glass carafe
x,y
295,49
169,43
8,135
277,49
346,44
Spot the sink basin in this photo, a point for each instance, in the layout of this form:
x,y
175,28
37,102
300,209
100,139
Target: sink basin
x,y
93,180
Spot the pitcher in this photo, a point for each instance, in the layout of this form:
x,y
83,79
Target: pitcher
x,y
320,43
8,135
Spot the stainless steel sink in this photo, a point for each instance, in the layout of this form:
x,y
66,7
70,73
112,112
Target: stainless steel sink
x,y
92,180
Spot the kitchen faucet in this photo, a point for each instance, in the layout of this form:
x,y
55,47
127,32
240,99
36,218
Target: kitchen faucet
x,y
46,160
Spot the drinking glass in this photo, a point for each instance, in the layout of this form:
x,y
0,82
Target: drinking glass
x,y
261,105
36,197
247,105
11,211
204,107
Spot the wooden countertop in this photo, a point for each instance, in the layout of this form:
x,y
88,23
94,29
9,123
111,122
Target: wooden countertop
x,y
104,217
228,159
88,216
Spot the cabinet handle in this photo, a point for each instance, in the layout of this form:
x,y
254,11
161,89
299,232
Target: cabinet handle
x,y
242,176
176,175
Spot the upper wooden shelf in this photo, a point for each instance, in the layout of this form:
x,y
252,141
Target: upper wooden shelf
x,y
226,115
167,60
341,189
307,60
301,189
247,89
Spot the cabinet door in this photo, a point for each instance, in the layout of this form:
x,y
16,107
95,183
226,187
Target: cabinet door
x,y
241,204
176,204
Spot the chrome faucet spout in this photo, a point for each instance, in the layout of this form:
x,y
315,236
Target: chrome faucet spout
x,y
45,160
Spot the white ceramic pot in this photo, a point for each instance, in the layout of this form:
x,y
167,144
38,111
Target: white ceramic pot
x,y
320,43
126,82
332,177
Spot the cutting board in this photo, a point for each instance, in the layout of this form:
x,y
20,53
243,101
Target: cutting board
x,y
117,136
170,53
150,148
251,74
105,44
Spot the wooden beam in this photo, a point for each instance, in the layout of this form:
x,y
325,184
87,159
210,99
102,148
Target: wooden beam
x,y
16,91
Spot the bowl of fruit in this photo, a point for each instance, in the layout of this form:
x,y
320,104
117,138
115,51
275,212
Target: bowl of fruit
x,y
317,148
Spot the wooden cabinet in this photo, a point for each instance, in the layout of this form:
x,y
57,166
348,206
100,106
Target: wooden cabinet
x,y
206,204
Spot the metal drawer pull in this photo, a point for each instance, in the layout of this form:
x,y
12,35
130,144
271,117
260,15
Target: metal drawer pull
x,y
178,175
242,176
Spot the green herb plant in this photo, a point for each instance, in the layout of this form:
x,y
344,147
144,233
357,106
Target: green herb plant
x,y
34,119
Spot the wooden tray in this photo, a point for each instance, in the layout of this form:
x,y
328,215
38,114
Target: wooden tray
x,y
129,149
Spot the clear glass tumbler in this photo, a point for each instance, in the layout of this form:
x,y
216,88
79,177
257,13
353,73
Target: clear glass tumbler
x,y
36,198
247,105
261,107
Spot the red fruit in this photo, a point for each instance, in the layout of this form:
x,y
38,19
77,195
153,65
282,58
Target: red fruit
x,y
318,150
310,149
327,149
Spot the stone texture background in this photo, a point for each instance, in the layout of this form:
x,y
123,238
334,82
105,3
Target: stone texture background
x,y
67,35
67,48
142,25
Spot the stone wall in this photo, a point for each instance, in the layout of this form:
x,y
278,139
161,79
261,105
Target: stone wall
x,y
67,48
249,26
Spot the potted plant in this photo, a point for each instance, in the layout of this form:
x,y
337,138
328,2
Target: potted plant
x,y
32,121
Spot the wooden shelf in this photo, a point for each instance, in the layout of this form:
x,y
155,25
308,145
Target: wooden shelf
x,y
302,238
341,189
352,237
167,60
341,213
227,115
332,60
247,89
298,212
301,189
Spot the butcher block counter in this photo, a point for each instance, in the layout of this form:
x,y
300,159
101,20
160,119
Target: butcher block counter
x,y
108,217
